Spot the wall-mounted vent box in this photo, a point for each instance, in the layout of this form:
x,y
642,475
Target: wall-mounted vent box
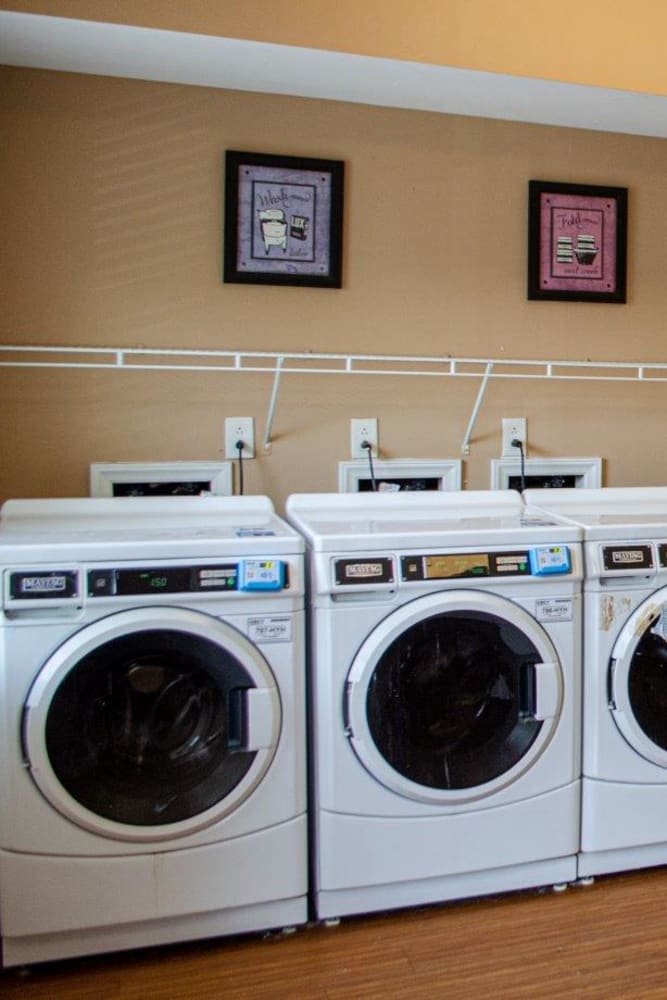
x,y
160,479
546,473
397,474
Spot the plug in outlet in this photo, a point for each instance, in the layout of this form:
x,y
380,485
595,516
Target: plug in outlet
x,y
363,429
514,429
239,429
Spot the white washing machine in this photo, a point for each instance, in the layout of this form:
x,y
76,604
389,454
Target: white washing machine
x,y
152,735
444,696
624,782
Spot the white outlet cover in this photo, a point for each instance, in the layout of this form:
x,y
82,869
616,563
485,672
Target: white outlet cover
x,y
363,429
513,427
239,429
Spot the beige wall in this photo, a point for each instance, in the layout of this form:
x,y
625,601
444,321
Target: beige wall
x,y
112,229
607,43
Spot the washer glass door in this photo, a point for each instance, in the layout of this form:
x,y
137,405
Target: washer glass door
x,y
453,696
638,679
159,718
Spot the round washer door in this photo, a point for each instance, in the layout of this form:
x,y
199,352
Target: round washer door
x,y
453,696
638,679
151,723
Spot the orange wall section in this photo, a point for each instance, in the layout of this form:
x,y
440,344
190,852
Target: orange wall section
x,y
607,43
112,208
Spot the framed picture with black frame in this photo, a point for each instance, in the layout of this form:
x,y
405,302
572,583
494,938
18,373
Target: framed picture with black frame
x,y
577,242
283,220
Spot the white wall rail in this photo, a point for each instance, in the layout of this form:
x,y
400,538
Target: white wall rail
x,y
281,363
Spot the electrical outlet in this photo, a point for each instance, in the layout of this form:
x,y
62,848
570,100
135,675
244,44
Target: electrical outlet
x,y
239,429
363,429
514,429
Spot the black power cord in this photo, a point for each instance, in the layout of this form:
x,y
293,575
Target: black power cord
x,y
239,447
516,443
369,451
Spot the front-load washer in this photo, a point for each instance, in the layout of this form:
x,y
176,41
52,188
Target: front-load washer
x,y
444,697
152,735
624,780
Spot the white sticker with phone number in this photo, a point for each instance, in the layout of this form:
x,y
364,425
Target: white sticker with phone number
x,y
270,629
554,610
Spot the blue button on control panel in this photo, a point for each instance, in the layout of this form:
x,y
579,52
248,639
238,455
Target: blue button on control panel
x,y
262,574
547,560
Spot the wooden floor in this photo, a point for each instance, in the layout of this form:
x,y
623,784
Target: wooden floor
x,y
607,940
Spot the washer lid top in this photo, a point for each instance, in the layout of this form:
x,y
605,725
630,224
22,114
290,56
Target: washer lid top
x,y
608,513
90,527
354,521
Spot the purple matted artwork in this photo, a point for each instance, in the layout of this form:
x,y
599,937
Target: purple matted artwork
x,y
577,242
283,220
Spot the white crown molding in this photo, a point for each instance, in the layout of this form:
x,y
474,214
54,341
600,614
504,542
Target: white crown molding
x,y
70,45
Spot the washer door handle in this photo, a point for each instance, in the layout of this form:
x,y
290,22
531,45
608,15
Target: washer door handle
x,y
547,690
260,714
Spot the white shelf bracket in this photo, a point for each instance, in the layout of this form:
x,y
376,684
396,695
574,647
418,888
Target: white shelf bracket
x,y
270,416
465,447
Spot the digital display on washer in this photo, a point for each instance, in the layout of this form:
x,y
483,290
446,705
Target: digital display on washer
x,y
625,557
357,571
37,584
161,580
662,555
457,565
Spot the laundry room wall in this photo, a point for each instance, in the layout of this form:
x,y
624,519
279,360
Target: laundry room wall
x,y
112,206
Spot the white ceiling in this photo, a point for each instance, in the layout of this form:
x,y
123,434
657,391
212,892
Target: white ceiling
x,y
203,60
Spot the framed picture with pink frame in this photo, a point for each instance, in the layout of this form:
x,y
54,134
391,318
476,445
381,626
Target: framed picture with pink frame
x,y
577,242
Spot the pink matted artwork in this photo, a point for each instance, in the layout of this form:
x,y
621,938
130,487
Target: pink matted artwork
x,y
577,237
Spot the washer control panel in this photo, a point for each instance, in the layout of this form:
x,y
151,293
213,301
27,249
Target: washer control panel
x,y
245,575
378,571
25,587
543,560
